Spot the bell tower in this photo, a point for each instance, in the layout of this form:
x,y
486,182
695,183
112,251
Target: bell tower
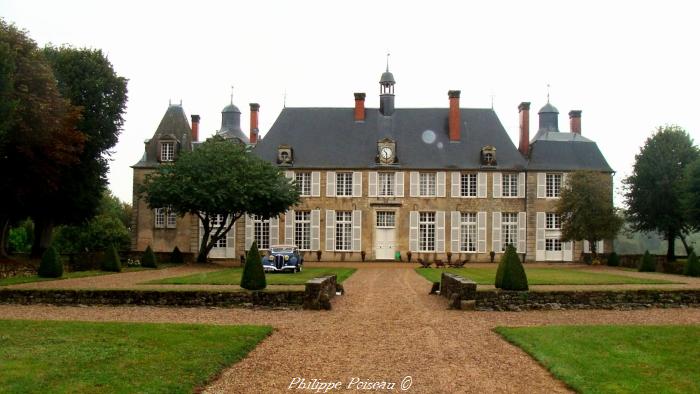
x,y
386,91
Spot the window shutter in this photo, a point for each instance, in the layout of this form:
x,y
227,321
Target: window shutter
x,y
455,223
372,192
316,229
414,184
481,233
541,182
481,185
586,246
289,227
521,185
456,185
248,232
539,237
316,184
564,179
289,174
497,185
398,178
522,233
441,179
231,242
568,252
496,233
413,232
440,230
357,230
600,246
274,231
330,230
357,184
330,183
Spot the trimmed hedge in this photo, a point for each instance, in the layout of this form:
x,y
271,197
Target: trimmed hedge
x,y
176,256
51,266
613,260
512,273
253,277
149,258
648,264
111,260
692,266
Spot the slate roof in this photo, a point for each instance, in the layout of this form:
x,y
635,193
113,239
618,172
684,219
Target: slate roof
x,y
565,152
331,138
173,125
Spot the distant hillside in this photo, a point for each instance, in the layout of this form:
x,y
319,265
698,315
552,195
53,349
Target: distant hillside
x,y
636,243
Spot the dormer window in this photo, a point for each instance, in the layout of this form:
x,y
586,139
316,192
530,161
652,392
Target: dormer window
x,y
167,151
488,156
285,155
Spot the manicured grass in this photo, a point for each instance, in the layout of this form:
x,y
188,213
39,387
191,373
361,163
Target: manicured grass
x,y
232,276
81,357
616,359
66,275
541,276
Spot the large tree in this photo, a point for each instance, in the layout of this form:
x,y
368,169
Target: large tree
x,y
690,195
219,178
586,209
653,190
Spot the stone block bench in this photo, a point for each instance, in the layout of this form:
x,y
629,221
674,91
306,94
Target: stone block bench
x,y
460,291
319,292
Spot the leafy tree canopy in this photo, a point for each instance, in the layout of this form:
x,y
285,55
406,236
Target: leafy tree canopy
x,y
690,195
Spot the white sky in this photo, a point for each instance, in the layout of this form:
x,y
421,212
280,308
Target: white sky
x,y
629,65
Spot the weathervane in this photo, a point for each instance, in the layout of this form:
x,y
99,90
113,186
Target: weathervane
x,y
285,98
492,97
387,60
547,93
231,94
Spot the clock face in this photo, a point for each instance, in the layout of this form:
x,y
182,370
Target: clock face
x,y
386,153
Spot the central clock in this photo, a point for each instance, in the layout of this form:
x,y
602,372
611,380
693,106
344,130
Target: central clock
x,y
386,154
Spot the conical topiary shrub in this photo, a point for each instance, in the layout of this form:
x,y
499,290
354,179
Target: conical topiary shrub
x,y
149,258
613,260
176,256
512,272
648,264
51,266
692,266
253,277
111,260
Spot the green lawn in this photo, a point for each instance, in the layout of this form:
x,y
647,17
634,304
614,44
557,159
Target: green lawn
x,y
81,357
66,275
540,276
616,359
232,276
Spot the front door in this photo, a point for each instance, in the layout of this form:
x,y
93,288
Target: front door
x,y
385,235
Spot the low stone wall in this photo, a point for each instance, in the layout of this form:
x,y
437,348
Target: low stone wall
x,y
457,289
500,300
319,292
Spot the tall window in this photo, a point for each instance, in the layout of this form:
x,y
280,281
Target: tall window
x,y
343,184
553,185
467,240
468,185
261,232
510,185
165,218
427,184
302,229
386,184
509,228
159,214
553,221
426,231
303,180
343,230
167,151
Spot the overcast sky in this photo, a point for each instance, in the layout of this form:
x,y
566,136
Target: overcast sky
x,y
628,65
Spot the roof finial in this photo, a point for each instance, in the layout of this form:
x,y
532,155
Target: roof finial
x,y
492,97
181,102
170,102
285,98
387,60
231,94
547,93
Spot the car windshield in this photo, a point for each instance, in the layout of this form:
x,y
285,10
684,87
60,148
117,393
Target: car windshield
x,y
282,250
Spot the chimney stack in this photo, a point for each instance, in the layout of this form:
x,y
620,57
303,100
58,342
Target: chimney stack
x,y
524,115
575,121
254,109
359,107
195,128
454,117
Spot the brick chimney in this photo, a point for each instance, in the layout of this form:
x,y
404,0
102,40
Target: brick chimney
x,y
524,115
195,128
254,109
359,107
454,119
575,121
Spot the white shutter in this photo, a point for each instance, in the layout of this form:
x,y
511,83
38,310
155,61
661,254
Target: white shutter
x,y
330,183
248,232
357,230
541,184
330,230
568,251
414,184
289,174
522,233
496,245
539,237
564,179
456,184
481,233
440,230
600,246
357,184
231,242
316,229
274,231
413,232
586,246
441,179
521,185
316,184
372,185
455,226
481,185
398,182
497,185
289,227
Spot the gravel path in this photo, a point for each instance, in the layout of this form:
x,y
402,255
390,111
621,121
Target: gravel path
x,y
385,328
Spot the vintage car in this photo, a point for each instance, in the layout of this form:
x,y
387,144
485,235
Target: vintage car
x,y
283,258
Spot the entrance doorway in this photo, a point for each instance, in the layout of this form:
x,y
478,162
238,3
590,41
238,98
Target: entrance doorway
x,y
385,235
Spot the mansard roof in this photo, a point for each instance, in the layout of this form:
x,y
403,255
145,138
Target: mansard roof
x,y
566,152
